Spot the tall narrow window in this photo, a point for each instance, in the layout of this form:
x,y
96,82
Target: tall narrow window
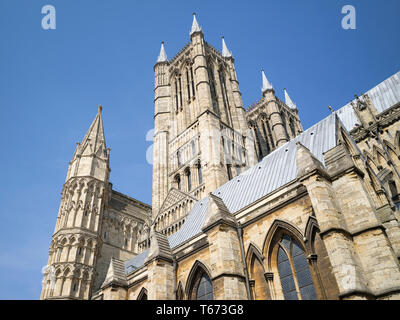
x,y
200,173
229,170
180,93
266,137
188,83
224,95
189,179
213,91
178,181
192,79
291,125
293,271
176,97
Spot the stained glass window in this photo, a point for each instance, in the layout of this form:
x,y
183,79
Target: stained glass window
x,y
293,271
204,289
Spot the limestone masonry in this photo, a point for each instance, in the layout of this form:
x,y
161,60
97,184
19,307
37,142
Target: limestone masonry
x,y
245,204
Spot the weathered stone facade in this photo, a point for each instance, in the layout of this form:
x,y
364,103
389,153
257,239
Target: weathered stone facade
x,y
315,218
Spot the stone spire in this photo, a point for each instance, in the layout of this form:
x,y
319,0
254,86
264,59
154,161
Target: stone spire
x,y
91,157
94,140
162,57
266,85
289,101
226,53
195,25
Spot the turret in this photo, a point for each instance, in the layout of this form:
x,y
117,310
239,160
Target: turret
x,y
273,112
76,238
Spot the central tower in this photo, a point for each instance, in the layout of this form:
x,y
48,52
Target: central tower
x,y
201,138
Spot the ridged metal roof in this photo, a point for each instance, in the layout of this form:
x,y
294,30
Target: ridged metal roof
x,y
279,167
192,225
136,262
275,170
383,96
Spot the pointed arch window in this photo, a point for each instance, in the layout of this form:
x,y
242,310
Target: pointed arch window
x,y
192,79
199,173
178,181
189,179
188,83
176,96
204,288
293,270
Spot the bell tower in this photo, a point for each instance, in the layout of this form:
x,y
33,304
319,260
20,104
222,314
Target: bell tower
x,y
201,139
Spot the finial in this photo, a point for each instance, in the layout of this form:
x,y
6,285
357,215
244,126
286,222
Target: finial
x,y
100,108
331,109
195,25
289,102
266,85
226,53
162,57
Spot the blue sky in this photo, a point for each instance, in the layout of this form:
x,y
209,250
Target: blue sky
x,y
103,52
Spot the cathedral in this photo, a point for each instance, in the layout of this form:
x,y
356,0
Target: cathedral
x,y
245,203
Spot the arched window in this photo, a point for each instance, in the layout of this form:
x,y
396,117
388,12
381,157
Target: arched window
x,y
204,288
178,181
200,173
189,179
192,79
142,294
199,285
293,271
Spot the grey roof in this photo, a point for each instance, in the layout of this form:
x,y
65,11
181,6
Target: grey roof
x,y
192,225
279,167
383,96
136,262
273,171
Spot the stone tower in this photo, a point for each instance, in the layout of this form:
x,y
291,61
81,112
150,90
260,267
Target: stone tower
x,y
76,239
272,121
201,139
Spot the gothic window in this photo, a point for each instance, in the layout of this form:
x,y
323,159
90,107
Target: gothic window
x,y
176,97
229,170
199,284
178,181
293,271
212,88
79,251
189,179
291,125
188,83
191,76
204,289
180,93
266,137
142,294
200,173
